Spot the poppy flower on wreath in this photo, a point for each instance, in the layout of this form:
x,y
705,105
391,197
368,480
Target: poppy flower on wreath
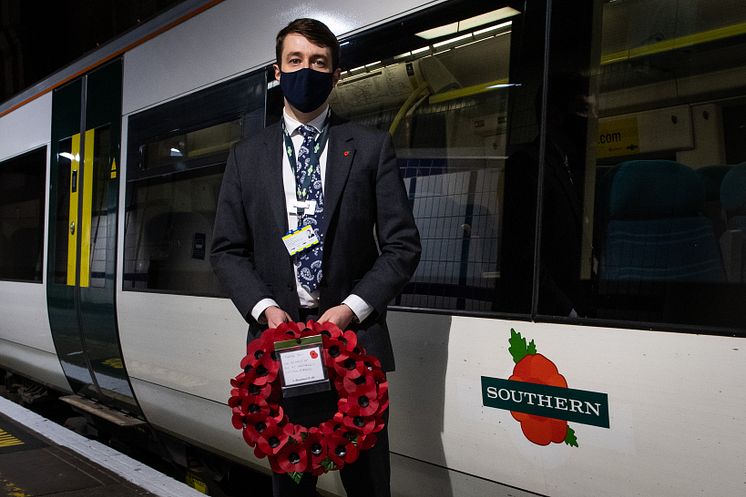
x,y
293,458
291,448
317,446
342,450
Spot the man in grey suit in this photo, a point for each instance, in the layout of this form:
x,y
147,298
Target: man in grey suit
x,y
340,182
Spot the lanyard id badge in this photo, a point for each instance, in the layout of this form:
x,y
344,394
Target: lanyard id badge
x,y
303,238
300,239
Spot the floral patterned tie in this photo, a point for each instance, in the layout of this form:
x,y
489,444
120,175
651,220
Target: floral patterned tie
x,y
308,187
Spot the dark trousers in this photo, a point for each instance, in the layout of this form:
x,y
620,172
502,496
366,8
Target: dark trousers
x,y
369,476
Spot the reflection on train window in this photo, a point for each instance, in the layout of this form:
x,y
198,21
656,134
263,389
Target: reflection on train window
x,y
661,176
194,144
169,228
176,157
441,85
103,207
67,162
22,189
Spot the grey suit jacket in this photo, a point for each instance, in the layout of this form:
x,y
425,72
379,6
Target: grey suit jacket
x,y
371,242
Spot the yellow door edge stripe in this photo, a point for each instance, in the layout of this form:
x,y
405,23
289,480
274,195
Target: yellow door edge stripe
x,y
73,227
85,222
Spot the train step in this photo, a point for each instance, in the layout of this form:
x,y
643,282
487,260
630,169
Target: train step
x,y
112,415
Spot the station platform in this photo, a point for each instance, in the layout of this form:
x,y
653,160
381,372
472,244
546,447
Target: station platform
x,y
41,458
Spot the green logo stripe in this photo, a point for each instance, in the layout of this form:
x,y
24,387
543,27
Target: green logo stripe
x,y
579,406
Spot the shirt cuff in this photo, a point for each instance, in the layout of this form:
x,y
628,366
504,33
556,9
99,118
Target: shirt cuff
x,y
260,307
360,308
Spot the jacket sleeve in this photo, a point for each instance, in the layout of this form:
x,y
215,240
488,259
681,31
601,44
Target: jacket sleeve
x,y
396,233
232,251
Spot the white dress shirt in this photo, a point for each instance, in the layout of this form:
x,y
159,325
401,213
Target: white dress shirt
x,y
359,307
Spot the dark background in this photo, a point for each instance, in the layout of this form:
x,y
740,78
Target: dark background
x,y
39,37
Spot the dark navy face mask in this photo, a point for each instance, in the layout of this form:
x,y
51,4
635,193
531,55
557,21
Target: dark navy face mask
x,y
306,89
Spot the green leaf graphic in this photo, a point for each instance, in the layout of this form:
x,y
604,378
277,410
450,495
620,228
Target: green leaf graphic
x,y
570,438
296,477
328,464
518,347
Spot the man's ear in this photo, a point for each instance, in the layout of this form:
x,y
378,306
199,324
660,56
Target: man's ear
x,y
277,71
337,75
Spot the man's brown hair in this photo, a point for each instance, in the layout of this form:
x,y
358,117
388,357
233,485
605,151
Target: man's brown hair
x,y
314,31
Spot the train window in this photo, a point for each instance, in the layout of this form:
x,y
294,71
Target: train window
x,y
22,203
644,198
176,158
451,85
194,144
174,217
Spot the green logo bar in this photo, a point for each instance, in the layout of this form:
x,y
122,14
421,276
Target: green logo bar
x,y
580,406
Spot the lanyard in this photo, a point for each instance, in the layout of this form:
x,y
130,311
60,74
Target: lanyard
x,y
315,154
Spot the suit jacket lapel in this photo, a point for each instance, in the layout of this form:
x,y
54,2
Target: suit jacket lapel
x,y
341,153
271,171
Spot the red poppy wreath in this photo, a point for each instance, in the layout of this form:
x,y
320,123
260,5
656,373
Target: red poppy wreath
x,y
294,449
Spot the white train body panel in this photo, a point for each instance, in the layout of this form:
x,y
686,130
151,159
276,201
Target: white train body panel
x,y
230,38
25,340
26,128
671,441
668,404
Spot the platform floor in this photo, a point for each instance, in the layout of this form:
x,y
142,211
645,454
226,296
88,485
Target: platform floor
x,y
41,458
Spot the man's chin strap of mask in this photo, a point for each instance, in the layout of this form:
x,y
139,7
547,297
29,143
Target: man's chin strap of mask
x,y
306,89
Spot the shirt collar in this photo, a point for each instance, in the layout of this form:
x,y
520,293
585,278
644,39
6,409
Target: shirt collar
x,y
292,124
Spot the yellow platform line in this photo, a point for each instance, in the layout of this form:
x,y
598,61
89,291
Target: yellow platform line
x,y
11,489
8,440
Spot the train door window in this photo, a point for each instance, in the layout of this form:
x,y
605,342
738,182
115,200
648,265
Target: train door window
x,y
454,86
68,167
103,170
657,174
22,203
175,162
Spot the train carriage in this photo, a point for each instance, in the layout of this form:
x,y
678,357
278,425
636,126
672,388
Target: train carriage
x,y
577,172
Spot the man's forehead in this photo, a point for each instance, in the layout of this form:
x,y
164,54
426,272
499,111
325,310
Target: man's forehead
x,y
297,44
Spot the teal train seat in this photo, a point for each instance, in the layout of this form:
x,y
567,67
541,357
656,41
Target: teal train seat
x,y
656,230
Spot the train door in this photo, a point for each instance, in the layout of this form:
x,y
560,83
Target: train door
x,y
86,124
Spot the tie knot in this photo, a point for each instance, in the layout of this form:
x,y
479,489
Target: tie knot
x,y
307,131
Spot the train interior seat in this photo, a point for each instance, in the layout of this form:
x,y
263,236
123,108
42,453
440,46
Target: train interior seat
x,y
733,239
656,234
656,229
457,228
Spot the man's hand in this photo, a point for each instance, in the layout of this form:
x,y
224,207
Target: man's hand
x,y
340,315
275,316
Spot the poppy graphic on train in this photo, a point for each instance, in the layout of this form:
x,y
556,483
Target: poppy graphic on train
x,y
538,397
532,367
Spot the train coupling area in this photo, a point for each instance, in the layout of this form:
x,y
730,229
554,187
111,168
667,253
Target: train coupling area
x,y
41,458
